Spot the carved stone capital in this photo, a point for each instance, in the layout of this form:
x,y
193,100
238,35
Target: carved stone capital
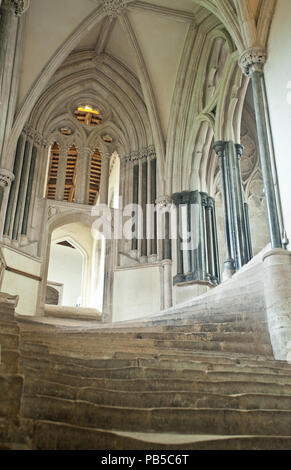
x,y
219,148
6,178
210,203
252,60
239,150
204,199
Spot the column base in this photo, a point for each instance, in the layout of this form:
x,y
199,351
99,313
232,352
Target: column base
x,y
277,289
229,269
167,281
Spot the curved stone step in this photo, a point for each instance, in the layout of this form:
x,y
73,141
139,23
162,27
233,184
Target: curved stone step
x,y
59,436
136,385
159,399
179,420
237,374
200,364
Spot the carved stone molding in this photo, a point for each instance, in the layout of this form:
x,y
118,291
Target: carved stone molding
x,y
6,178
18,7
35,136
114,8
252,59
143,154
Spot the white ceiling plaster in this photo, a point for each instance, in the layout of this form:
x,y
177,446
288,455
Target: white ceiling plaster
x,y
48,24
119,47
89,41
161,40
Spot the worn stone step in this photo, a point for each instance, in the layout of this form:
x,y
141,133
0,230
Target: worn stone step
x,y
204,364
9,341
10,395
180,420
59,436
42,367
167,335
9,361
153,346
234,386
152,368
159,399
9,327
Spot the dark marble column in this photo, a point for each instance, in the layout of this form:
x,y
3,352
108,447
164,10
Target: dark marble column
x,y
203,251
177,199
13,188
28,191
153,191
135,201
144,185
22,188
236,236
252,64
229,264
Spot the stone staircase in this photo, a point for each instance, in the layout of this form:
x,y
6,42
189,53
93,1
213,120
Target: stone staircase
x,y
195,384
197,377
11,381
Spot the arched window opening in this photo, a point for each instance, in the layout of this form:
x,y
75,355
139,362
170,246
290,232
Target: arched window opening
x,y
95,178
70,176
53,171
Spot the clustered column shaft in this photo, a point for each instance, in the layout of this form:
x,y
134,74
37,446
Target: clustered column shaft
x,y
252,64
143,170
19,200
236,224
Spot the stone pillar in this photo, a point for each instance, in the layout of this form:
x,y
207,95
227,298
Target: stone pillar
x,y
153,195
144,185
252,64
201,254
210,239
135,193
6,179
167,284
248,231
164,208
27,202
11,40
229,266
6,13
236,235
176,198
61,173
83,176
105,164
277,281
21,190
